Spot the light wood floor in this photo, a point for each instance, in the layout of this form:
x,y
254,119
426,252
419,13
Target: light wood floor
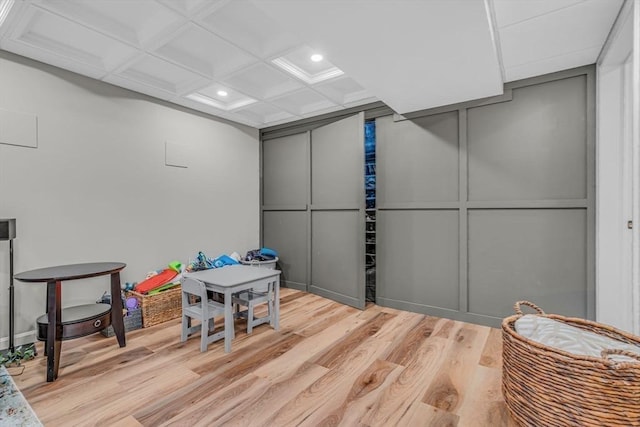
x,y
328,365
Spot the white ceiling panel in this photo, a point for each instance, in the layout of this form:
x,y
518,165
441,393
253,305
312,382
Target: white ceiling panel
x,y
190,7
221,97
57,35
263,113
233,117
262,81
509,12
552,64
545,36
324,110
137,23
301,58
48,57
249,28
196,105
138,86
344,90
204,52
155,72
412,55
302,102
298,63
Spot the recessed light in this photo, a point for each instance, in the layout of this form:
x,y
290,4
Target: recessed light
x,y
303,75
222,93
316,57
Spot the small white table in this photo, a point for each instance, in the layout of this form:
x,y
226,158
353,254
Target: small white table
x,y
235,278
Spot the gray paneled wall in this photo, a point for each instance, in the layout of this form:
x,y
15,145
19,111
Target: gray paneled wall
x,y
485,205
286,231
533,254
418,252
533,147
313,208
337,164
417,160
285,197
479,204
337,211
284,170
335,264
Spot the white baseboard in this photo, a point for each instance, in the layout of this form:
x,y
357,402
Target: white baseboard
x,y
20,339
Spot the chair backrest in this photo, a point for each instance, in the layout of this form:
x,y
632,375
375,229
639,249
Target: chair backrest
x,y
194,287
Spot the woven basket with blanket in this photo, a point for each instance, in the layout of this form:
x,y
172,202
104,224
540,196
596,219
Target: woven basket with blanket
x,y
563,371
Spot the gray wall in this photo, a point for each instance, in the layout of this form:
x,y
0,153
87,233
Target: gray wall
x,y
480,204
97,187
313,208
490,202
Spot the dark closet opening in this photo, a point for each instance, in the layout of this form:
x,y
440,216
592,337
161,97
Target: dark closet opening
x,y
370,208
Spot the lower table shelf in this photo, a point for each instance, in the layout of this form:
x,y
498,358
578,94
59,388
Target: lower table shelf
x,y
78,321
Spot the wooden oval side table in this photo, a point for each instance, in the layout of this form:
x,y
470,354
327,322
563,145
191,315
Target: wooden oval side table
x,y
75,322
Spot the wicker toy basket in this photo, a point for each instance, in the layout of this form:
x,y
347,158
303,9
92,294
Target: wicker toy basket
x,y
160,307
545,386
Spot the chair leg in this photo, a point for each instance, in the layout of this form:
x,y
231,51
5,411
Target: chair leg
x,y
204,332
250,318
186,324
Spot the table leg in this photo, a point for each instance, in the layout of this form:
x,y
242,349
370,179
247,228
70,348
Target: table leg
x,y
50,294
54,329
228,321
116,309
276,304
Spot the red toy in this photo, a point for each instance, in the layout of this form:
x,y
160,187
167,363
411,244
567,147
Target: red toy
x,y
156,281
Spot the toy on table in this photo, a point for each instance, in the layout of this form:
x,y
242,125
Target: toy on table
x,y
202,262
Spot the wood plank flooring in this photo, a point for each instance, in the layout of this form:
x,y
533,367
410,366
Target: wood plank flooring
x,y
328,365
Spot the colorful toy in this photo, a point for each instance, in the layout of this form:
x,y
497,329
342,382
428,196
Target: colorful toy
x,y
176,266
201,263
268,252
166,276
131,303
262,254
163,288
223,260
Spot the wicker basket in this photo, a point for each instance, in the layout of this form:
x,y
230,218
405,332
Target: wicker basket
x,y
160,307
544,386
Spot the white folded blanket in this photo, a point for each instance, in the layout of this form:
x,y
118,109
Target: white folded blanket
x,y
571,339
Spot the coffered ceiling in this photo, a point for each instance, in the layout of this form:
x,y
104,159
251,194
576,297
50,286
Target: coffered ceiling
x,y
249,61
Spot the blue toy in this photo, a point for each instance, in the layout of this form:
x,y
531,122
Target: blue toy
x,y
268,252
223,260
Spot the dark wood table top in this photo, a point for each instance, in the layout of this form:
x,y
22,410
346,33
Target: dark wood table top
x,y
70,272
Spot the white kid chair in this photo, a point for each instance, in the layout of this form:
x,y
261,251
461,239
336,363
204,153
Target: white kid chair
x,y
203,309
250,298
